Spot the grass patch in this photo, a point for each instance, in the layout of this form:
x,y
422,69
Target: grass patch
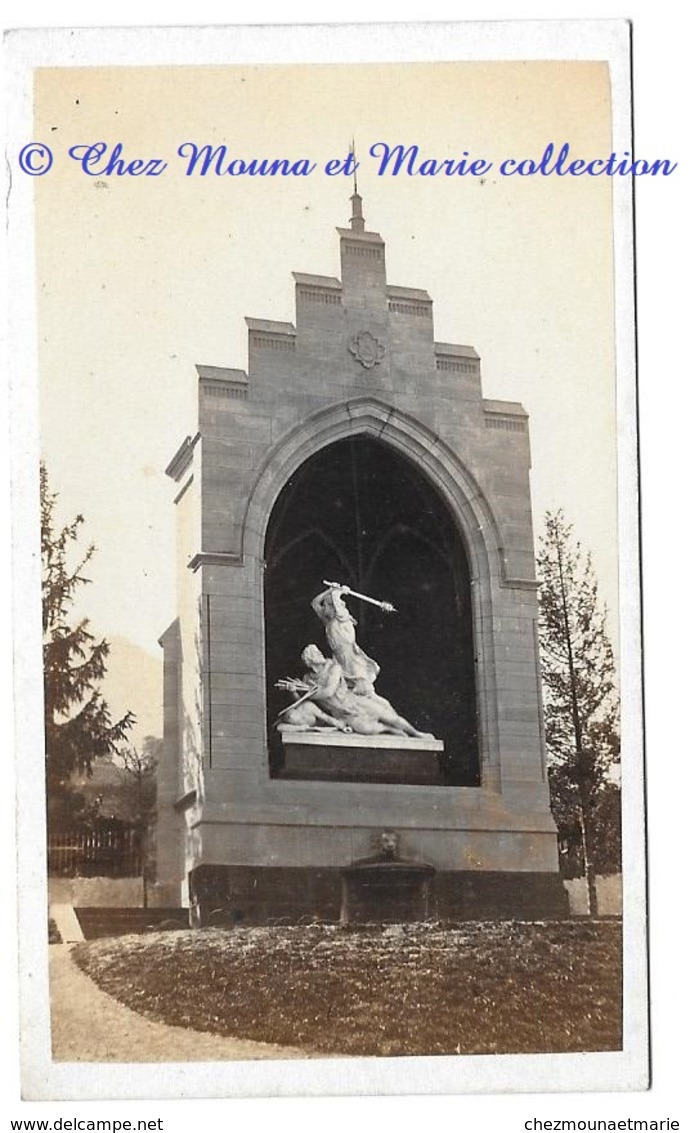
x,y
477,988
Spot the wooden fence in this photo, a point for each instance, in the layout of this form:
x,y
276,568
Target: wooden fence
x,y
108,849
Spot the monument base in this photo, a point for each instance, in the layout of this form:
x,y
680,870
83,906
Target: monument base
x,y
259,895
347,758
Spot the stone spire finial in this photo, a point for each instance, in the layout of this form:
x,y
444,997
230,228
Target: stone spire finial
x,y
356,220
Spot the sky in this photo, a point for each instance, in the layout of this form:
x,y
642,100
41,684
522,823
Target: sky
x,y
140,278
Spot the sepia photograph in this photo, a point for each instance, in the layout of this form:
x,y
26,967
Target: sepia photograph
x,y
336,658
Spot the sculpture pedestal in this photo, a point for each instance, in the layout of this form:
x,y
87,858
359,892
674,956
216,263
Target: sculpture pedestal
x,y
348,758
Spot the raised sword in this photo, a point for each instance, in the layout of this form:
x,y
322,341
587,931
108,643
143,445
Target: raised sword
x,y
387,607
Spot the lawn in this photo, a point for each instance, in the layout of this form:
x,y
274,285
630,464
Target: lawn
x,y
474,988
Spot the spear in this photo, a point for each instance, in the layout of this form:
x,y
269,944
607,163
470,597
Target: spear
x,y
295,685
387,607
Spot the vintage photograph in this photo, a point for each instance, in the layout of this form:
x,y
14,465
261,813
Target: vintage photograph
x,y
335,401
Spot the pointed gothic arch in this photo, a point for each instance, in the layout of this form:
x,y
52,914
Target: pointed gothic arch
x,y
411,454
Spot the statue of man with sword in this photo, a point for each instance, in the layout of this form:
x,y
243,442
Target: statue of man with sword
x,y
359,670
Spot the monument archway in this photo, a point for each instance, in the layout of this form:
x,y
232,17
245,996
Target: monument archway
x,y
360,513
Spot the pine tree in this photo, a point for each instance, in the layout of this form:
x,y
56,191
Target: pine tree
x,y
580,703
78,723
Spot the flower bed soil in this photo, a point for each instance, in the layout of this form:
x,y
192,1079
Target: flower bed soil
x,y
476,988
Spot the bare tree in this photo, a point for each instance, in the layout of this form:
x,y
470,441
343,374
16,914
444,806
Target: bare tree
x,y
138,805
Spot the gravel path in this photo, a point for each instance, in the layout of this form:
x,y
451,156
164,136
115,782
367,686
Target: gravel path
x,y
90,1026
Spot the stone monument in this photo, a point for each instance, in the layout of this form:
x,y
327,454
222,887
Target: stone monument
x,y
355,447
